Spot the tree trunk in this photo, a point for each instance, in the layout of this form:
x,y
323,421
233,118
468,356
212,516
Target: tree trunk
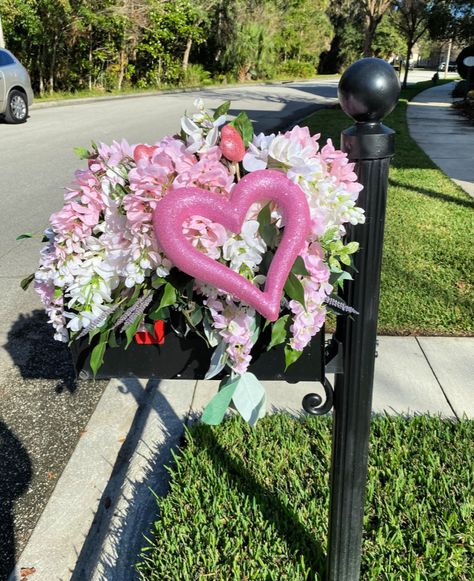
x,y
121,69
370,28
407,63
2,38
53,66
90,59
187,52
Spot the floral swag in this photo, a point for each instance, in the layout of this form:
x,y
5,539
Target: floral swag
x,y
103,274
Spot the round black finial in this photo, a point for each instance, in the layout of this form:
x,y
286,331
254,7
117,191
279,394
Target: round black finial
x,y
369,90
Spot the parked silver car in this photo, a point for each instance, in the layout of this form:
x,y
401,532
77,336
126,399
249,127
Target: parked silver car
x,y
16,94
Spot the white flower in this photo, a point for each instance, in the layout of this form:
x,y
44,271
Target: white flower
x,y
246,248
199,104
290,152
201,129
257,154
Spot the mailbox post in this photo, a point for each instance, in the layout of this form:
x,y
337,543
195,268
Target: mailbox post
x,y
368,91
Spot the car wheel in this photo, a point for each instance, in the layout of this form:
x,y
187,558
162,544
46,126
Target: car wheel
x,y
17,107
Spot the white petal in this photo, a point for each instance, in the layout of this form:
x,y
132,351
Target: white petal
x,y
252,163
189,126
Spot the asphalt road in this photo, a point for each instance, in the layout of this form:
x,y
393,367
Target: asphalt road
x,y
42,408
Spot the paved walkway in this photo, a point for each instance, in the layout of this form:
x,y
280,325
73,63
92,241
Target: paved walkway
x,y
444,134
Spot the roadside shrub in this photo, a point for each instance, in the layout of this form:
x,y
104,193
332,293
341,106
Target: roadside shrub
x,y
196,75
294,68
460,90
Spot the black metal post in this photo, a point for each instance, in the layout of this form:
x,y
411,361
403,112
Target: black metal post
x,y
368,91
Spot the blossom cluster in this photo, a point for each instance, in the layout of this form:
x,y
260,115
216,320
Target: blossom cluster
x,y
101,254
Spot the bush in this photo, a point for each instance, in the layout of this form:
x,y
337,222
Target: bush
x,y
196,75
460,90
294,68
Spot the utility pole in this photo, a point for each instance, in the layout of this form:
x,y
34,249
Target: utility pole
x,y
448,58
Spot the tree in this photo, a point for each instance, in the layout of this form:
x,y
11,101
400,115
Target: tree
x,y
374,11
2,38
452,20
411,17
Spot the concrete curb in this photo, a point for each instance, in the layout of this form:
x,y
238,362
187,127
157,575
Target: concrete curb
x,y
84,100
93,485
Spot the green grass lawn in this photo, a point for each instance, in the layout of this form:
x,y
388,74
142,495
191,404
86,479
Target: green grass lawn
x,y
427,276
253,503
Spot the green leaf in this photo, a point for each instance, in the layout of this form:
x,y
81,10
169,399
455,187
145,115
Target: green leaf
x,y
169,296
338,279
329,235
25,283
218,360
291,355
244,126
81,152
214,412
294,289
25,235
345,259
264,216
159,314
196,316
351,247
58,292
132,329
334,264
97,355
299,267
248,397
212,336
265,263
266,229
158,282
222,109
259,411
278,332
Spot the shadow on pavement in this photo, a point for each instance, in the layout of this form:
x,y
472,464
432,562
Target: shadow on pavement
x,y
37,355
16,473
127,507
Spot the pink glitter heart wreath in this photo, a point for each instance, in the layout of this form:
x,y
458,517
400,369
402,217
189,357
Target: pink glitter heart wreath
x,y
263,185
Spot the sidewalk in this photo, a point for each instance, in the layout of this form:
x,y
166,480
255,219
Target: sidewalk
x,y
92,526
444,134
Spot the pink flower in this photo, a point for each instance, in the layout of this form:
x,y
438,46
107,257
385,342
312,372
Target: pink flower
x,y
235,324
308,321
302,137
206,236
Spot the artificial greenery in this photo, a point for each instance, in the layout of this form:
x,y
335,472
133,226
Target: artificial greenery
x,y
253,503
